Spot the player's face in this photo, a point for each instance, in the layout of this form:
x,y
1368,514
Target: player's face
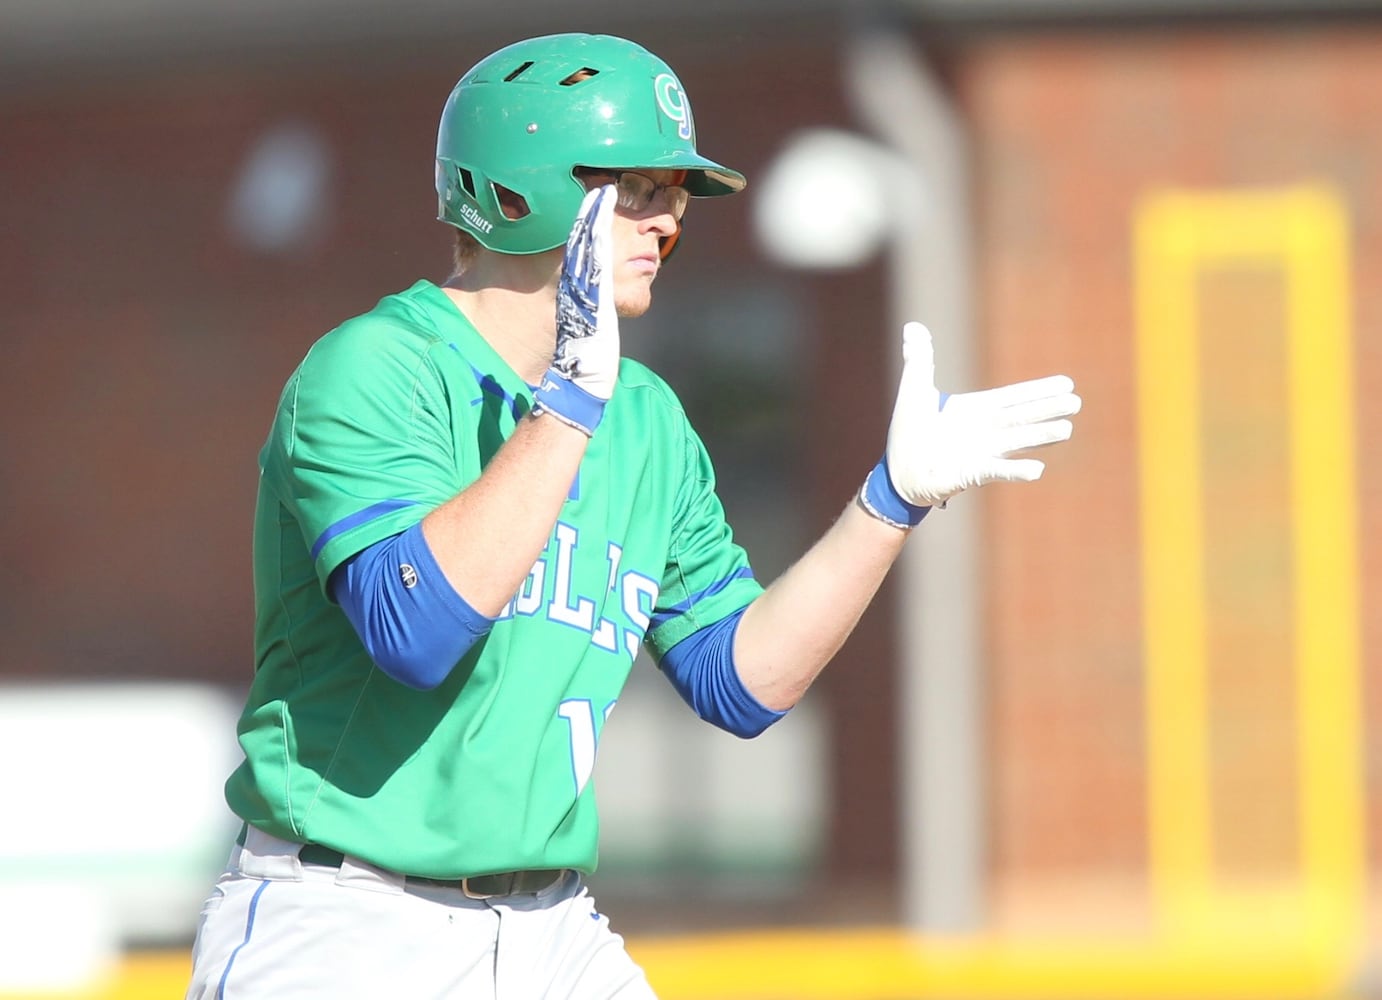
x,y
639,229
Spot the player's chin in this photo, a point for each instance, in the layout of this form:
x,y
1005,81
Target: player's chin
x,y
633,302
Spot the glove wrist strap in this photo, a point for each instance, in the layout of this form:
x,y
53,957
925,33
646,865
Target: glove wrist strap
x,y
568,402
879,498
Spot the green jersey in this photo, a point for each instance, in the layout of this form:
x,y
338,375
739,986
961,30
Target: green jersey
x,y
387,417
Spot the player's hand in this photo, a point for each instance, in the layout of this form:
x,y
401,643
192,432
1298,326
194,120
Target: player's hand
x,y
939,445
586,361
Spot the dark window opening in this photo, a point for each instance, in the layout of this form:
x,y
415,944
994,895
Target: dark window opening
x,y
579,75
511,203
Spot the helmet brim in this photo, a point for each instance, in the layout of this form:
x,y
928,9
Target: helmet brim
x,y
704,177
712,181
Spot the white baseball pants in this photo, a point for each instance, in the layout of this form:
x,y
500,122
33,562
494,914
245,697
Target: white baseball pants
x,y
276,928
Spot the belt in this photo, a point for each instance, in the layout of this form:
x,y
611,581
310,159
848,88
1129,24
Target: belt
x,y
476,886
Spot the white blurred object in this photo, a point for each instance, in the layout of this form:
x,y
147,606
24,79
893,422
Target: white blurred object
x,y
115,788
280,199
830,198
57,936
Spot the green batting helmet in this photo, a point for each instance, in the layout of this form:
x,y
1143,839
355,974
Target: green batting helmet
x,y
525,117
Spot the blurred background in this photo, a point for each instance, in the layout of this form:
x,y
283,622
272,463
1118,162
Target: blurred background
x,y
1114,735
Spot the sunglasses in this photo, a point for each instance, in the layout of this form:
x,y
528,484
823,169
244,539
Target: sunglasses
x,y
636,191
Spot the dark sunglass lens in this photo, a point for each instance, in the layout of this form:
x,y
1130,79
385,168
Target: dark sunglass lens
x,y
636,191
677,199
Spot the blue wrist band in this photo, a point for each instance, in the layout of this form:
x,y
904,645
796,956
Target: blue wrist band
x,y
882,501
568,402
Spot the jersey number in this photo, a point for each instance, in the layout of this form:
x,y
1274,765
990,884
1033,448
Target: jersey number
x,y
579,714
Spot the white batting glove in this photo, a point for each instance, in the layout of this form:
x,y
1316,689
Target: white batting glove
x,y
940,444
585,364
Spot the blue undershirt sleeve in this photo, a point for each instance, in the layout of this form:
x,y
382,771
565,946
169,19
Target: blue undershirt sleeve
x,y
412,622
701,668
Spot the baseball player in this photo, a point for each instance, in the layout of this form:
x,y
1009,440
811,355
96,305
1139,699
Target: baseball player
x,y
473,511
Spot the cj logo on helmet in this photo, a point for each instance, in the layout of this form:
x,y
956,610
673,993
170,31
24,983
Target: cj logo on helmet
x,y
672,100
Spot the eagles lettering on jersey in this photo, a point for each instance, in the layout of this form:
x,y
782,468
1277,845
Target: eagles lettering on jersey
x,y
389,416
548,591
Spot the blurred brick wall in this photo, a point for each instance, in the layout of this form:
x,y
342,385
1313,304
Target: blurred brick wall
x,y
145,349
1070,129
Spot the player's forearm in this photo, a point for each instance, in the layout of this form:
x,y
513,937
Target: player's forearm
x,y
488,536
794,628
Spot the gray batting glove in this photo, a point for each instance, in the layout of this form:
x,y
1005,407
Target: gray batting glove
x,y
585,364
940,444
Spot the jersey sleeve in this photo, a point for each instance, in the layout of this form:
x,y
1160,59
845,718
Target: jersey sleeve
x,y
362,446
707,576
